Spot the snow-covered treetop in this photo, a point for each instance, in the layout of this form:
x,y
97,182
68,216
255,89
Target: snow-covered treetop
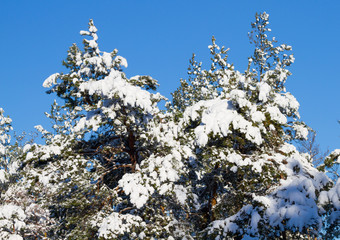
x,y
5,138
5,127
267,56
240,124
96,83
253,105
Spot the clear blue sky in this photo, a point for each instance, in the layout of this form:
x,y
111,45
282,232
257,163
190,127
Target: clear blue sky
x,y
158,37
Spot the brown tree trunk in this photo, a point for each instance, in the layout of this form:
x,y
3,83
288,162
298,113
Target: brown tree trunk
x,y
132,151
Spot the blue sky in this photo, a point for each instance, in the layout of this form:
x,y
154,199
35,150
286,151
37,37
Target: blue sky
x,y
158,38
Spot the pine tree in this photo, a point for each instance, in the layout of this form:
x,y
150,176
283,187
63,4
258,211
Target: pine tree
x,y
20,214
7,167
101,134
11,215
219,163
245,173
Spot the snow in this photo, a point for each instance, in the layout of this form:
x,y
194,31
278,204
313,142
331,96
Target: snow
x,y
2,149
255,218
26,147
85,33
93,44
336,152
29,156
15,237
217,117
122,61
141,185
234,169
114,85
44,179
332,197
181,193
117,224
293,200
9,210
107,59
276,114
258,116
3,177
139,193
301,131
93,29
288,102
51,80
240,97
335,155
264,91
81,124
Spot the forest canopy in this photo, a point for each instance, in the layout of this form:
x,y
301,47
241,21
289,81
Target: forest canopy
x,y
219,161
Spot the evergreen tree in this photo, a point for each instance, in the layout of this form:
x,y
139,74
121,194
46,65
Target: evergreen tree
x,y
101,134
217,164
245,176
7,167
20,213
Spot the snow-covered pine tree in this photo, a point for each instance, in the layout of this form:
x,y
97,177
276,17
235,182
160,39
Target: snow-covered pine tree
x,y
20,214
11,215
329,201
218,164
117,108
103,133
7,167
247,180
